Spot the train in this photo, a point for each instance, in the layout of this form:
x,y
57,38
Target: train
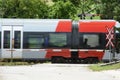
x,y
59,40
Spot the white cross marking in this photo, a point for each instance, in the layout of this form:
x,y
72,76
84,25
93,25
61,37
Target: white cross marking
x,y
110,36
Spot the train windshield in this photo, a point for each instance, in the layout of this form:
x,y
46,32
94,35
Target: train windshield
x,y
92,41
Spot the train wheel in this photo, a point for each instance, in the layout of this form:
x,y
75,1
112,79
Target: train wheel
x,y
95,60
85,61
66,60
91,60
53,60
58,60
88,60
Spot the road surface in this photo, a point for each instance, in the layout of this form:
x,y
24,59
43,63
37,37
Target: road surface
x,y
55,72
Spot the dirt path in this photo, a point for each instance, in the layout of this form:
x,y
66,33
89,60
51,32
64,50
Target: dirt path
x,y
1,77
54,72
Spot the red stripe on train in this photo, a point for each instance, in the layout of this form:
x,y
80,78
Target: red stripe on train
x,y
87,54
58,53
95,26
64,26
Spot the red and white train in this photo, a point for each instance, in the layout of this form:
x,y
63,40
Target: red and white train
x,y
58,40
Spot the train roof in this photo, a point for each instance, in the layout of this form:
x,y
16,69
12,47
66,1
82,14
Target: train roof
x,y
43,25
5,21
59,25
96,20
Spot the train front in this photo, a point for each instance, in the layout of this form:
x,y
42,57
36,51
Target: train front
x,y
97,40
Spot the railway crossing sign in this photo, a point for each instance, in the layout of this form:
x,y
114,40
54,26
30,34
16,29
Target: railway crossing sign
x,y
110,36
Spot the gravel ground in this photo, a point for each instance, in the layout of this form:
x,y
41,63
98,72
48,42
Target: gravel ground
x,y
55,72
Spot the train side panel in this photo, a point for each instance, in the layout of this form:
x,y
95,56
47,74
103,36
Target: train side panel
x,y
55,39
35,37
95,32
49,32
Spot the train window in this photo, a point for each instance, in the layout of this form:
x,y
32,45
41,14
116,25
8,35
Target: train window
x,y
17,39
6,39
33,40
57,40
91,41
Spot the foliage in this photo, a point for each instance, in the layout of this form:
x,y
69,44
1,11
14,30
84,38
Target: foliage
x,y
117,12
24,9
109,9
74,2
67,9
97,67
62,10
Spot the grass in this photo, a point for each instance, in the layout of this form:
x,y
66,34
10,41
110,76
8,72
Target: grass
x,y
97,67
14,63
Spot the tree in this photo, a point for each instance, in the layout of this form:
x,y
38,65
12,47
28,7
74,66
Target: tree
x,y
109,9
74,2
1,10
85,7
82,6
59,8
62,10
24,9
117,12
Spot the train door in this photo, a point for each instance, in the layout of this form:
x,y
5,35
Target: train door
x,y
12,41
